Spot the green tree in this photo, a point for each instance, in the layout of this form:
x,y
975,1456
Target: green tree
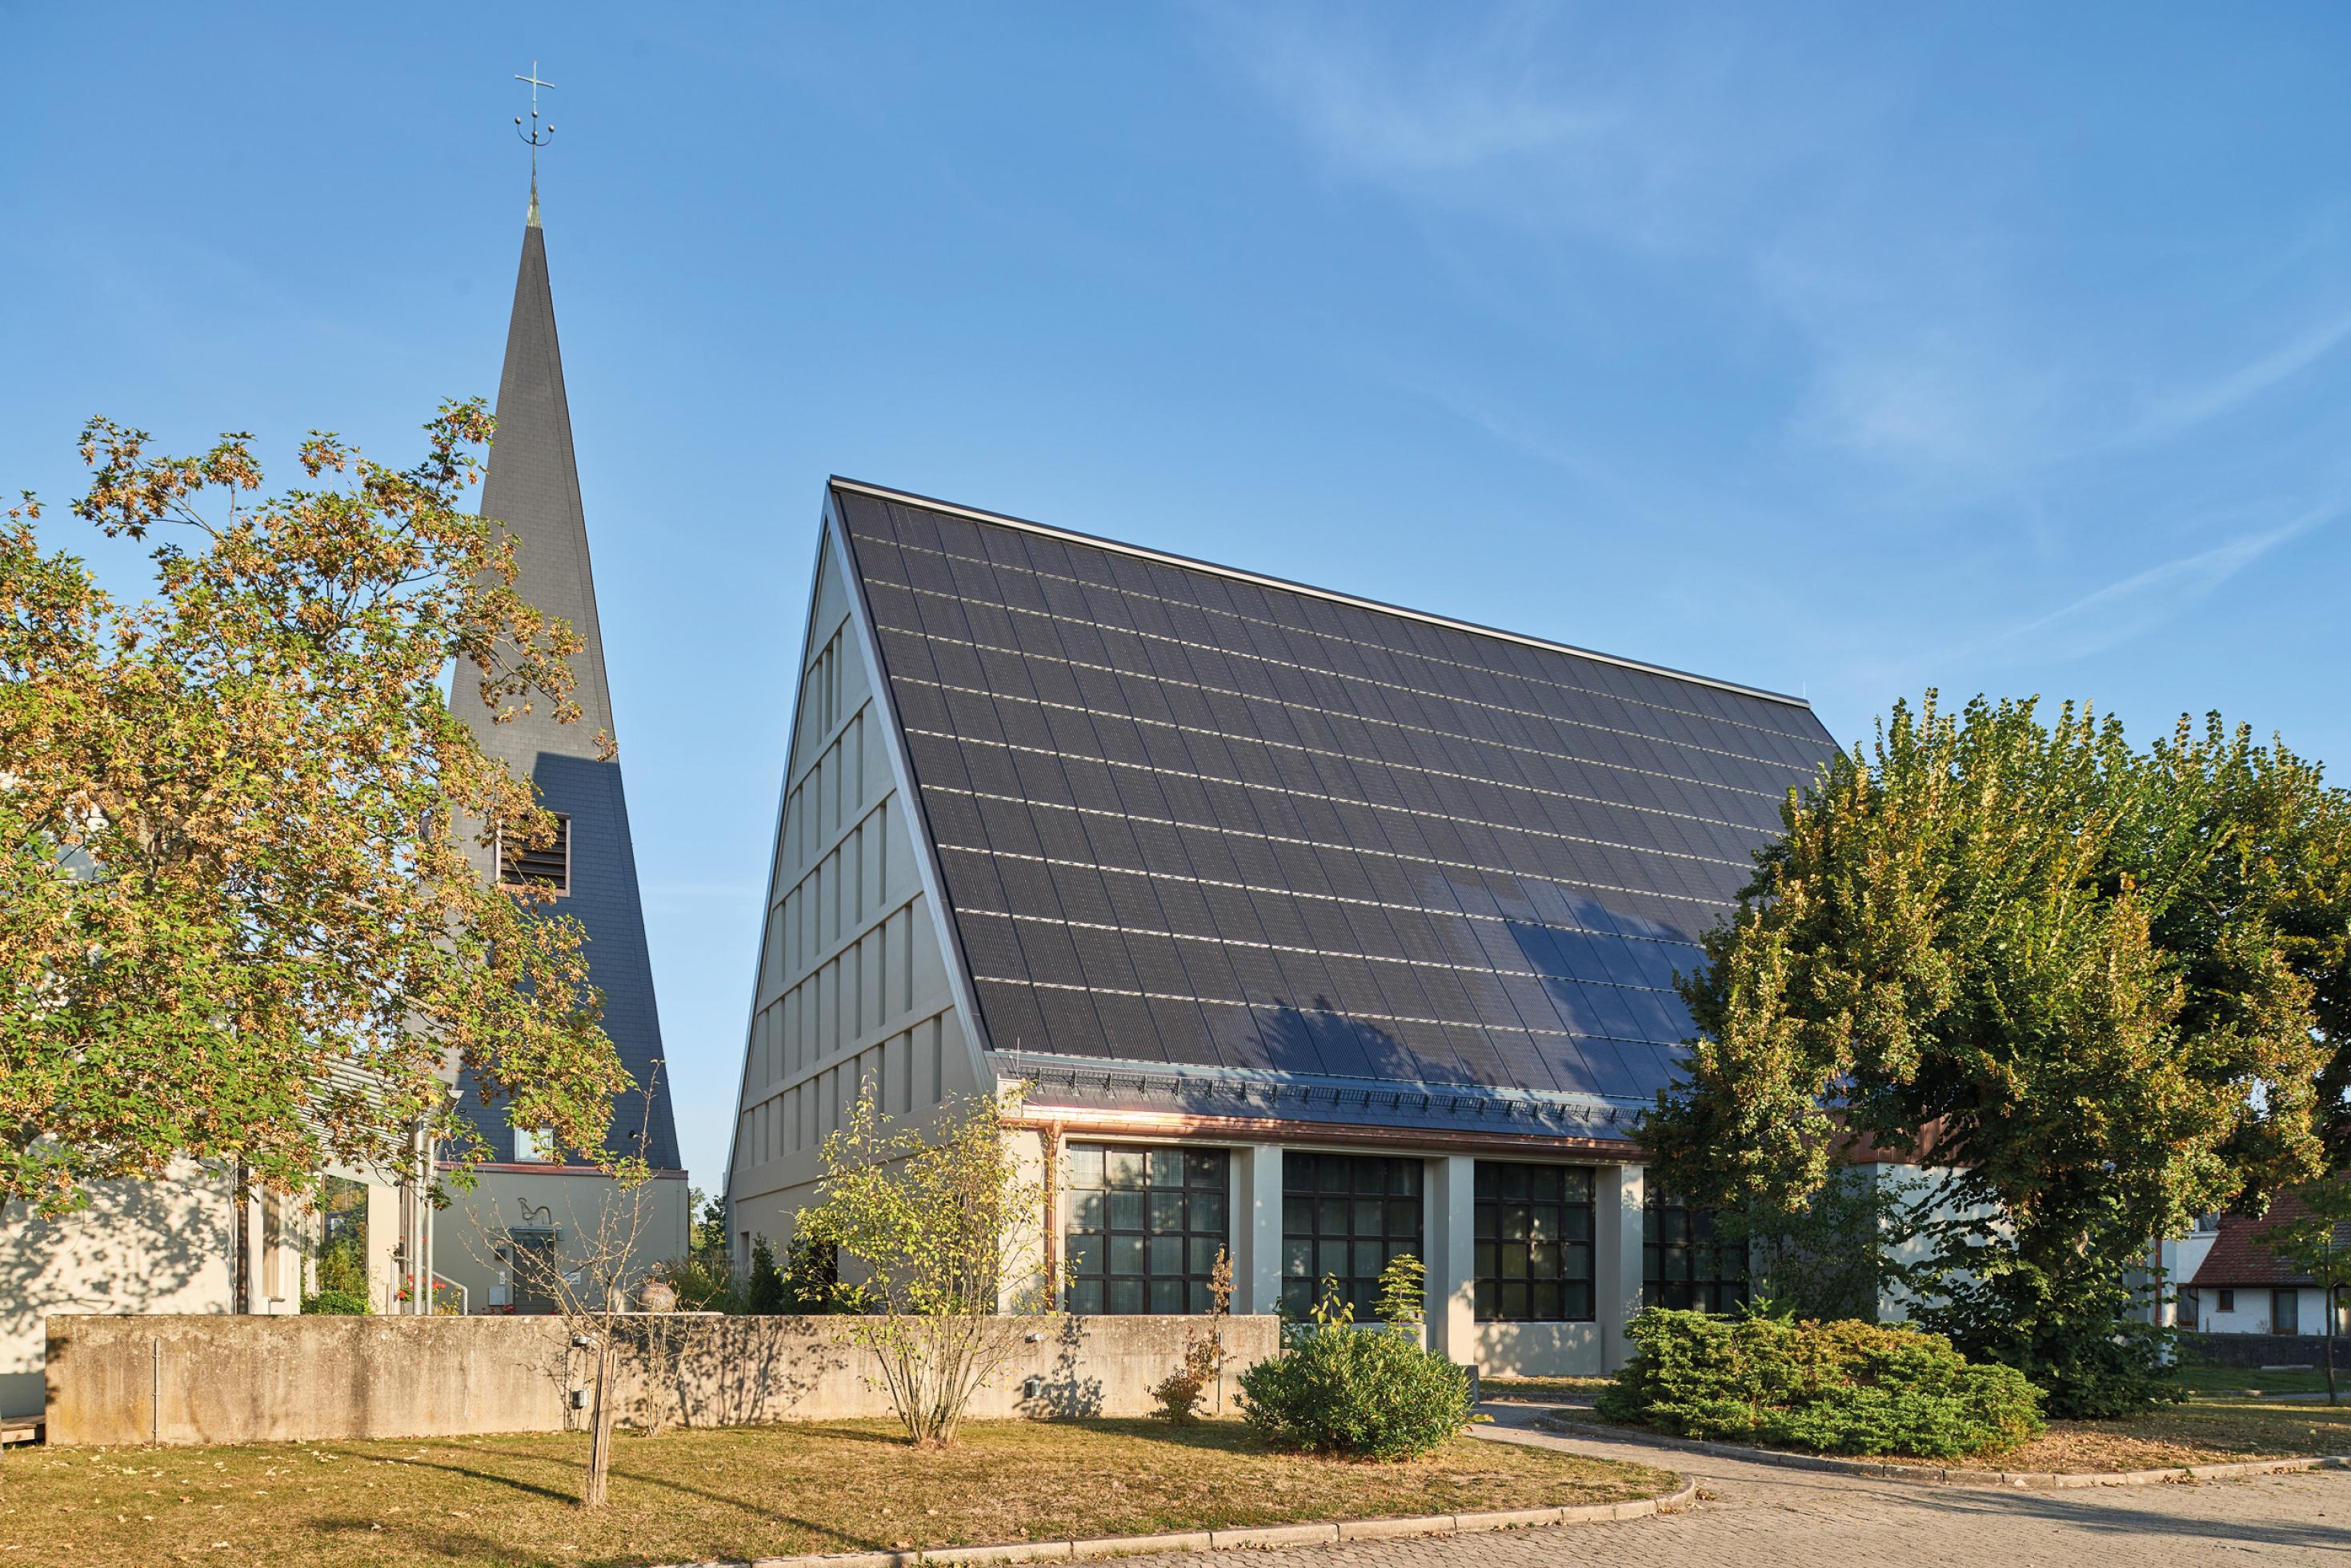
x,y
1404,1292
2310,1228
948,1224
242,913
764,1291
2080,981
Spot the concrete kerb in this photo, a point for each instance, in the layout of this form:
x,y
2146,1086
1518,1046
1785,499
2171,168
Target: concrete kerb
x,y
1262,1537
1944,1475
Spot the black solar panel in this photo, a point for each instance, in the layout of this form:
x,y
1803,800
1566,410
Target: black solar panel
x,y
1193,820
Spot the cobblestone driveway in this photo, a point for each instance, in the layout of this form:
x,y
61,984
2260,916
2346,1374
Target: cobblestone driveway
x,y
1765,1515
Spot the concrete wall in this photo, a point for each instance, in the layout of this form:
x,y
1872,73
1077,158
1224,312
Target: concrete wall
x,y
246,1379
163,1246
2258,1350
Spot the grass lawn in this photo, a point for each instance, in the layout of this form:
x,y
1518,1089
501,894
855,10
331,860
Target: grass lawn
x,y
738,1493
1579,1388
2236,1380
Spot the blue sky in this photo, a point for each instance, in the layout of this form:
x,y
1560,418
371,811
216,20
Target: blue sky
x,y
1841,350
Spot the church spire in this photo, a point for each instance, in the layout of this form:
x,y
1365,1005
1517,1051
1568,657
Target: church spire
x,y
538,136
531,487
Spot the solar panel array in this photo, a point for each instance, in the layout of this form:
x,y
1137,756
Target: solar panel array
x,y
1187,818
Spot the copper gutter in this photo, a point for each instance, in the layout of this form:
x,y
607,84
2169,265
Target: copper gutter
x,y
1064,1121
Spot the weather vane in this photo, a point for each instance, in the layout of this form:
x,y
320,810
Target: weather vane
x,y
538,135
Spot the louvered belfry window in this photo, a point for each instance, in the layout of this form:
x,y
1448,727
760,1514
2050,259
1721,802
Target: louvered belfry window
x,y
522,863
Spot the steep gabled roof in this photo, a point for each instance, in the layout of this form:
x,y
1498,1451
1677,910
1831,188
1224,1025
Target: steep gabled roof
x,y
1198,821
2237,1258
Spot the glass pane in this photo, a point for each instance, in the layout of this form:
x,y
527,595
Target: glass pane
x,y
1330,1257
1085,1209
1542,1223
1166,1295
1123,1168
1200,1255
1489,1220
1544,1302
1514,1260
1329,1174
1577,1303
1296,1174
1543,1184
1514,1301
1167,1167
1209,1212
1575,1261
1298,1216
1297,1259
1490,1295
1369,1214
1126,1254
1371,1257
1404,1217
1085,1165
1488,1264
1126,1210
1330,1217
1371,1175
1124,1295
1168,1211
1514,1182
1514,1222
1086,1295
1167,1256
1298,1297
1206,1169
1410,1186
1085,1255
1542,1259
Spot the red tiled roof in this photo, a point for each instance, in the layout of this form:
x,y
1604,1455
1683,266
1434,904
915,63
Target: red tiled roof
x,y
2237,1258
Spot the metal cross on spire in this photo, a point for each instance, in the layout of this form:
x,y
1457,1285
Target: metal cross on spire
x,y
538,135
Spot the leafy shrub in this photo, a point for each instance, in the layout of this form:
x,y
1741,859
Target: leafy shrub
x,y
336,1303
703,1284
1180,1393
1843,1387
1370,1393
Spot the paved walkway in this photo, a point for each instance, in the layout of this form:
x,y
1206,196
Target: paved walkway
x,y
1762,1514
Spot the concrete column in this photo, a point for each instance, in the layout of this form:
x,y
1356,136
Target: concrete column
x,y
1615,1258
1255,1222
1450,1218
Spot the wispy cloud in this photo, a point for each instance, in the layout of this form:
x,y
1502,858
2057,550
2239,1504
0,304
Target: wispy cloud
x,y
2186,406
2134,605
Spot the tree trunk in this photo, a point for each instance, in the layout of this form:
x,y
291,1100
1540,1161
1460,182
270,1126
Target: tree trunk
x,y
2330,1344
600,1427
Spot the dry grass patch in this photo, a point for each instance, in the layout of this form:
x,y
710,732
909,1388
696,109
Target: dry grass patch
x,y
739,1492
2207,1431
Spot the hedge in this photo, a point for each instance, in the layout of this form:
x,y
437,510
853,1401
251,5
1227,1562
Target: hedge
x,y
1842,1388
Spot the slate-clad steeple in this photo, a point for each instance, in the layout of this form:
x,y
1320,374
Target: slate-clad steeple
x,y
532,487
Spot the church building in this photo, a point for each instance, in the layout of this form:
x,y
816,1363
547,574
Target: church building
x,y
1319,931
531,1197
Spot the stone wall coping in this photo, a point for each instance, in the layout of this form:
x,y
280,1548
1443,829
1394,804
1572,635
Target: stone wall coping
x,y
1260,1536
1944,1475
